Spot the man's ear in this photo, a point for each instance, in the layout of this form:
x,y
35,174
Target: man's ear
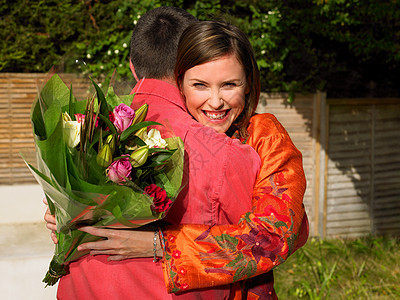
x,y
132,67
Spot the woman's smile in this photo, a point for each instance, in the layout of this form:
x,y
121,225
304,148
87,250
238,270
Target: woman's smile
x,y
215,92
217,115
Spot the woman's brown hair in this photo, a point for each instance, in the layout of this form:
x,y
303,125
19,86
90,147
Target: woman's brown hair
x,y
206,41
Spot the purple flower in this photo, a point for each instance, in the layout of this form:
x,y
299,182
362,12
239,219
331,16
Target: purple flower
x,y
263,243
120,170
123,117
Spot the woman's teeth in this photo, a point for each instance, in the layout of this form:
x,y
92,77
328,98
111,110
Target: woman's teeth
x,y
216,116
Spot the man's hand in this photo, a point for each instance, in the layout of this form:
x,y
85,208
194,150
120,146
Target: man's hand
x,y
50,222
121,243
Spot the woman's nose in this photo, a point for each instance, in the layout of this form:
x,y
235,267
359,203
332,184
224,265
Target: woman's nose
x,y
216,102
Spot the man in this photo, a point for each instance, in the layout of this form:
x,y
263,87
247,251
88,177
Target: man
x,y
215,164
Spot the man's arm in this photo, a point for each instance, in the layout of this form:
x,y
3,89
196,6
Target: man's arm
x,y
198,256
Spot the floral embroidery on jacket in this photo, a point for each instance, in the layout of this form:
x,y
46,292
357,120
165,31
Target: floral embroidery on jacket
x,y
265,239
172,254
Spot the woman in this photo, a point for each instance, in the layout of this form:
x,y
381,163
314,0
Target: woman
x,y
215,65
218,76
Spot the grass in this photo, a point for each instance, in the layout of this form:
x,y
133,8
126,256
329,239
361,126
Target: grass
x,y
364,268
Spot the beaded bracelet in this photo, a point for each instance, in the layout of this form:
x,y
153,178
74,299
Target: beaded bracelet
x,y
155,259
158,232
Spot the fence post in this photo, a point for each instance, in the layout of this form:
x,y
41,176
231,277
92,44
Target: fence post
x,y
320,132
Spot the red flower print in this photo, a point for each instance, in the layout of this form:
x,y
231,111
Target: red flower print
x,y
184,286
171,238
270,210
176,254
161,202
286,198
279,179
182,271
263,243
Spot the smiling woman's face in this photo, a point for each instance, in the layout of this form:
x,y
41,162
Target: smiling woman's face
x,y
215,92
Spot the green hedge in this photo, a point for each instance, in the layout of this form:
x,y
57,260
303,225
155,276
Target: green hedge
x,y
347,48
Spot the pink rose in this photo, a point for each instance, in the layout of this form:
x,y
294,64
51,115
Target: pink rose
x,y
161,202
123,116
120,170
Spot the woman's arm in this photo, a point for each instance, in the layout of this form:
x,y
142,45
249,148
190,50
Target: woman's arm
x,y
199,256
122,243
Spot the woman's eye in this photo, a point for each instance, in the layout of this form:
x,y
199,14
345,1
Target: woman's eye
x,y
229,84
199,85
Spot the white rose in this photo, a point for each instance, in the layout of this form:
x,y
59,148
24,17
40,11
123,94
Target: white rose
x,y
154,140
72,131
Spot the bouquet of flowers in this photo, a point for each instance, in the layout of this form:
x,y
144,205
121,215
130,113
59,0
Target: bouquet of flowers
x,y
99,165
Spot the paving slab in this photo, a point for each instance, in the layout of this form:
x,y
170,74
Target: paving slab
x,y
25,253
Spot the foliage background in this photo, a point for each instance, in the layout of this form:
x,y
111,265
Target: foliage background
x,y
349,269
349,48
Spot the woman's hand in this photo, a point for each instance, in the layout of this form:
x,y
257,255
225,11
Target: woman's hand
x,y
121,243
50,222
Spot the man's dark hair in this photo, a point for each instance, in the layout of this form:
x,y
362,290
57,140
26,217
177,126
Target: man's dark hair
x,y
154,41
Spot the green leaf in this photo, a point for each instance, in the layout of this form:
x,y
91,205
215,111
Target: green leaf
x,y
102,100
280,224
227,242
52,151
133,128
239,273
138,141
173,171
161,150
71,111
245,271
113,100
109,124
55,90
38,126
239,259
52,118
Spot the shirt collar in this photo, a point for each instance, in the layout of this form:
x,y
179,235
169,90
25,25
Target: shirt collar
x,y
160,89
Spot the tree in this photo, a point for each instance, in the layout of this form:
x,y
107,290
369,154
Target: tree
x,y
349,48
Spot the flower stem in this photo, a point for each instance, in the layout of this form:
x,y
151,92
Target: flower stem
x,y
55,272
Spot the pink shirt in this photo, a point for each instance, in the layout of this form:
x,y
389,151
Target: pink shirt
x,y
220,174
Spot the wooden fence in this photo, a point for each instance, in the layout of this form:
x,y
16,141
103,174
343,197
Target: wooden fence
x,y
351,152
362,167
17,93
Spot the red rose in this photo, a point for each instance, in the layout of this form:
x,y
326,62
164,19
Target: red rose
x,y
161,202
